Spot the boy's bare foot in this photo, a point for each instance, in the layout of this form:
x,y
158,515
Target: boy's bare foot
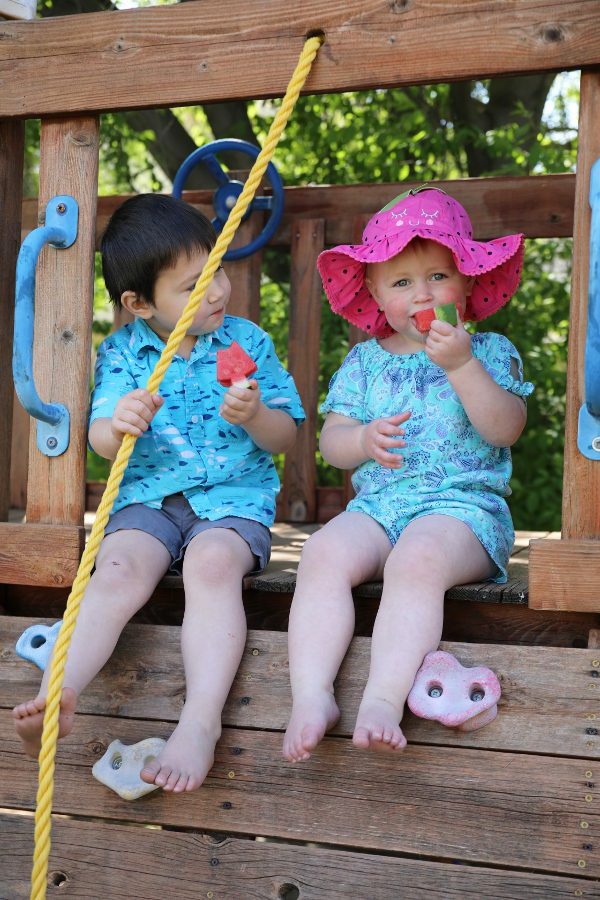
x,y
186,759
29,720
311,718
377,727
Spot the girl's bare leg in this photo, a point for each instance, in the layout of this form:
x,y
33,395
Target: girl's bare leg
x,y
433,554
350,549
213,636
129,565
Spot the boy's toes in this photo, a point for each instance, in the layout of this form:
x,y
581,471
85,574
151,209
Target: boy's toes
x,y
173,780
186,782
150,771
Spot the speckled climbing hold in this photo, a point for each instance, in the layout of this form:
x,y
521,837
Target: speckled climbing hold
x,y
119,769
36,643
453,694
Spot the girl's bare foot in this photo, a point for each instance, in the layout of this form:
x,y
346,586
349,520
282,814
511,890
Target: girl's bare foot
x,y
377,727
311,718
186,759
29,720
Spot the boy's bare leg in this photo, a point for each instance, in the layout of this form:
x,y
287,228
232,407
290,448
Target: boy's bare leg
x,y
129,564
212,640
432,554
350,549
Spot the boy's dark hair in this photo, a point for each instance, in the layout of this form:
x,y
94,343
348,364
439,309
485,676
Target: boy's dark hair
x,y
146,234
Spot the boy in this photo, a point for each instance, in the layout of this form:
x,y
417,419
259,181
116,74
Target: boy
x,y
198,495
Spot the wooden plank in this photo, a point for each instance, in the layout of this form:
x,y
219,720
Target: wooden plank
x,y
565,575
513,591
99,860
19,458
196,53
541,206
473,622
299,500
546,703
63,319
40,554
245,273
11,198
447,803
581,487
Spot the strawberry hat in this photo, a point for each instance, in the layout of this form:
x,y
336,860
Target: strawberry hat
x,y
431,214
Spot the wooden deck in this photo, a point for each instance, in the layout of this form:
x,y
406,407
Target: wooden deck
x,y
510,811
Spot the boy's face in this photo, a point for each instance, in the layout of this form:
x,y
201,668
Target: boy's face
x,y
422,276
172,291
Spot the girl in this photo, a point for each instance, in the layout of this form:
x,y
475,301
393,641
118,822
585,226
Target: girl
x,y
425,414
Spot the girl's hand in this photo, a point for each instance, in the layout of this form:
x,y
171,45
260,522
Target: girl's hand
x,y
449,347
381,436
134,412
241,404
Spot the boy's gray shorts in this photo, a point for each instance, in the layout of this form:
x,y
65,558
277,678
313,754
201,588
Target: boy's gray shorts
x,y
176,523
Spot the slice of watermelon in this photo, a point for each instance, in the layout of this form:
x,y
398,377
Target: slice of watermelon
x,y
424,319
234,366
447,313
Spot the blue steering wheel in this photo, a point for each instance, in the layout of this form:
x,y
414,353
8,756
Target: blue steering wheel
x,y
228,190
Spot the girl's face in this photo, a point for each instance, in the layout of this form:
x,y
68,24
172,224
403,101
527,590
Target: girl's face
x,y
422,276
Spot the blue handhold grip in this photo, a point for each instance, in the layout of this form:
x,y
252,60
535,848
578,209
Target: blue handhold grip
x,y
588,435
60,231
36,643
228,190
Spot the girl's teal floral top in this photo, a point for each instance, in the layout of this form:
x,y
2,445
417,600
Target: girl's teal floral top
x,y
449,468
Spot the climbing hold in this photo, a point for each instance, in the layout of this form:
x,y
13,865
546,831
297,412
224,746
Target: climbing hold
x,y
455,695
36,643
119,769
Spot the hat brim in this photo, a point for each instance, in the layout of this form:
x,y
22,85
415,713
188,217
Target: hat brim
x,y
496,266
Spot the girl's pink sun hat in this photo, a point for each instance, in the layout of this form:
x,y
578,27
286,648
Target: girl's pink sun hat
x,y
431,214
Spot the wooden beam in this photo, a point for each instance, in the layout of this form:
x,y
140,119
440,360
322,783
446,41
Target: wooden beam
x,y
540,206
581,486
63,319
199,52
299,495
11,196
565,575
245,273
94,859
519,810
40,554
545,687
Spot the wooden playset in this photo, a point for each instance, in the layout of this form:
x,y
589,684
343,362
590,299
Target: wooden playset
x,y
509,811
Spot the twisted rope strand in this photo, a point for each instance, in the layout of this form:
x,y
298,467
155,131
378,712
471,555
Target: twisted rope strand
x,y
51,716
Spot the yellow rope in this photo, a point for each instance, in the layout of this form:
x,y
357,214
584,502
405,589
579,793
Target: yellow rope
x,y
50,730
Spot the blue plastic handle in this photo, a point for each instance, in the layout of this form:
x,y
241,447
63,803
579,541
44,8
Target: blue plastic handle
x,y
228,190
60,231
588,435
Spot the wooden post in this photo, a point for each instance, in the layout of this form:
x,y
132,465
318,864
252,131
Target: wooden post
x,y
11,199
566,574
245,273
47,549
299,500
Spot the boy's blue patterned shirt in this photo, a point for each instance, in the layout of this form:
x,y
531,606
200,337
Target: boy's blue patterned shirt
x,y
188,446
